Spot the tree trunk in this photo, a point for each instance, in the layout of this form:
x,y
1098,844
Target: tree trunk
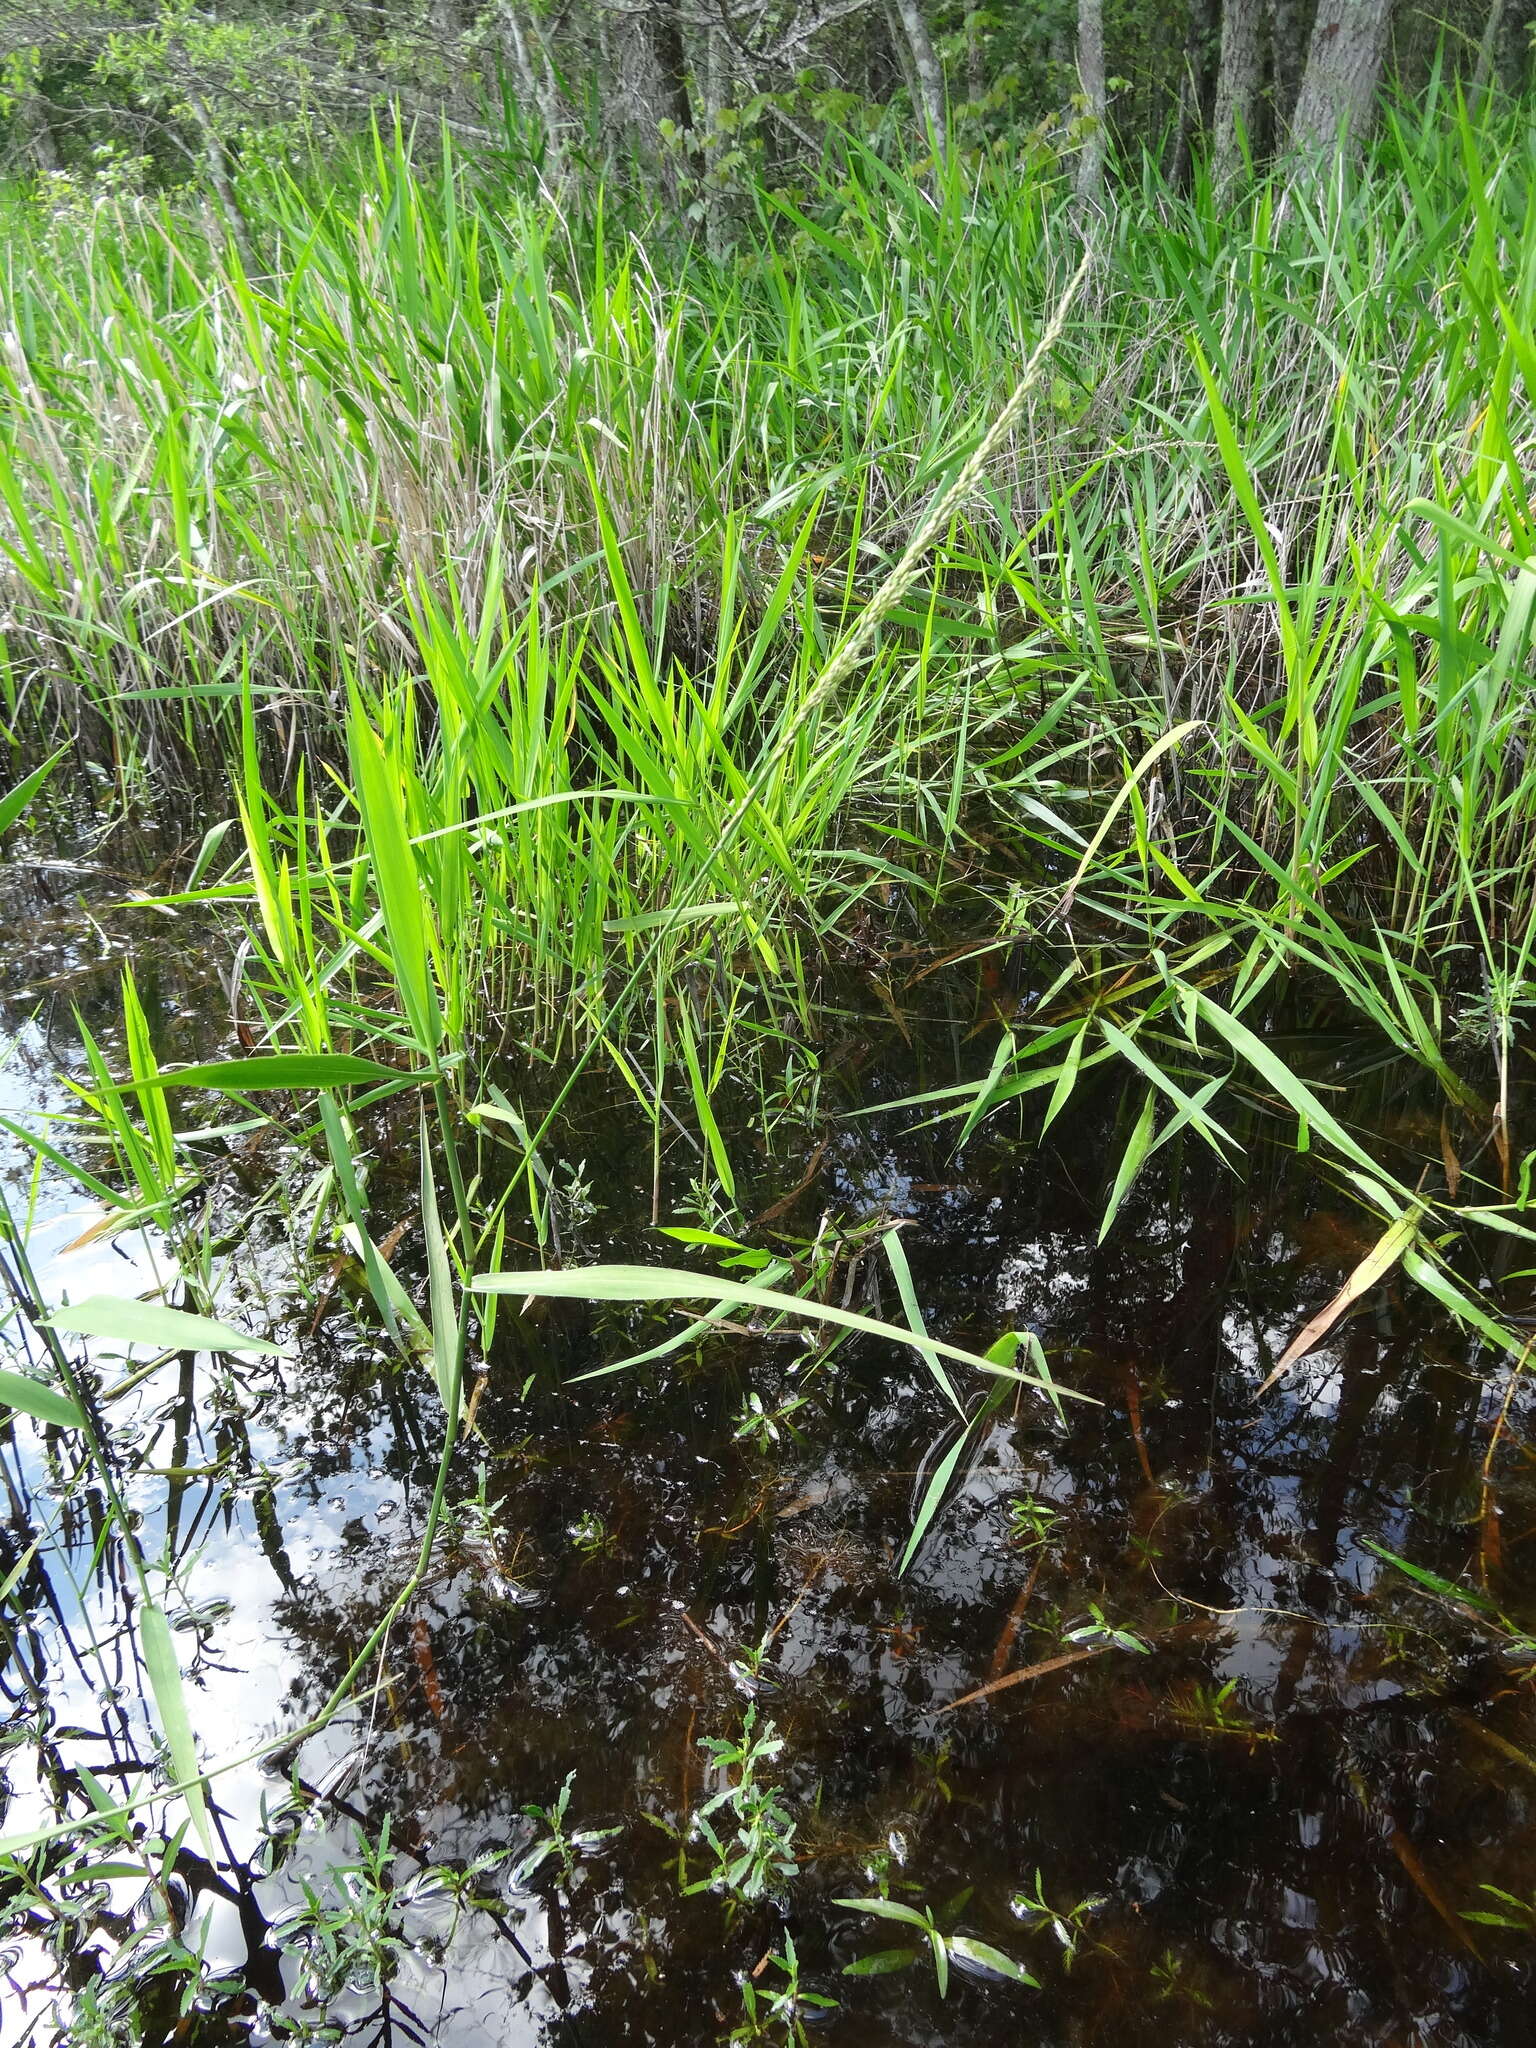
x,y
1512,57
671,67
1487,51
717,211
536,80
975,60
1091,79
883,62
1287,49
1194,89
33,126
1238,78
930,76
216,164
901,51
672,101
1338,90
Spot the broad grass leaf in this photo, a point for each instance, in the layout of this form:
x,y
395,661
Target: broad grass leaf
x,y
19,1390
15,801
1435,1280
1288,1086
1138,1145
128,1321
1376,1264
667,1283
276,1070
396,879
171,1705
1148,760
1432,1581
901,1272
1001,1353
443,1310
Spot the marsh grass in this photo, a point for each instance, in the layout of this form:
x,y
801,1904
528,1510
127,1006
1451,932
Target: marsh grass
x,y
512,582
575,644
571,518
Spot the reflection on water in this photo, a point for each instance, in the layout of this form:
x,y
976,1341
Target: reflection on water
x,y
1273,1795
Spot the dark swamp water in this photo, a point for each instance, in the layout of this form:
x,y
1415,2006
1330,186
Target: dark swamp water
x,y
1263,1825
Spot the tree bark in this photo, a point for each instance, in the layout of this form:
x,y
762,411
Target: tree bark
x,y
535,78
1091,78
216,164
35,130
1287,50
929,73
901,52
1512,57
1194,88
975,61
1338,89
1238,77
1487,51
671,67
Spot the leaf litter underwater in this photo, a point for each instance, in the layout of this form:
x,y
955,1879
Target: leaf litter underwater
x,y
1149,1740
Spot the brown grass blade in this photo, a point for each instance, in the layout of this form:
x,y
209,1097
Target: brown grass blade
x,y
1376,1264
1030,1671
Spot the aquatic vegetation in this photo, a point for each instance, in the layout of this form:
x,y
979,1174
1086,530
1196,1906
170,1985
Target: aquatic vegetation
x,y
350,1928
752,1841
1098,1633
1031,1521
590,1534
1067,1923
554,1840
753,742
944,1948
762,1426
1506,1911
780,2011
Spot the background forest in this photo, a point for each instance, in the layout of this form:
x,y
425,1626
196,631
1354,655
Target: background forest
x,y
710,97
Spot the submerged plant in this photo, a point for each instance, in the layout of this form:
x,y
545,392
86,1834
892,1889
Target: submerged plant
x,y
1031,1521
555,1841
779,2011
590,1534
1098,1633
1219,1710
349,1925
1067,1923
745,1826
1508,1911
762,1426
942,1946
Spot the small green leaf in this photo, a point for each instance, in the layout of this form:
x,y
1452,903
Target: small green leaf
x,y
885,1909
883,1963
990,1959
940,1949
